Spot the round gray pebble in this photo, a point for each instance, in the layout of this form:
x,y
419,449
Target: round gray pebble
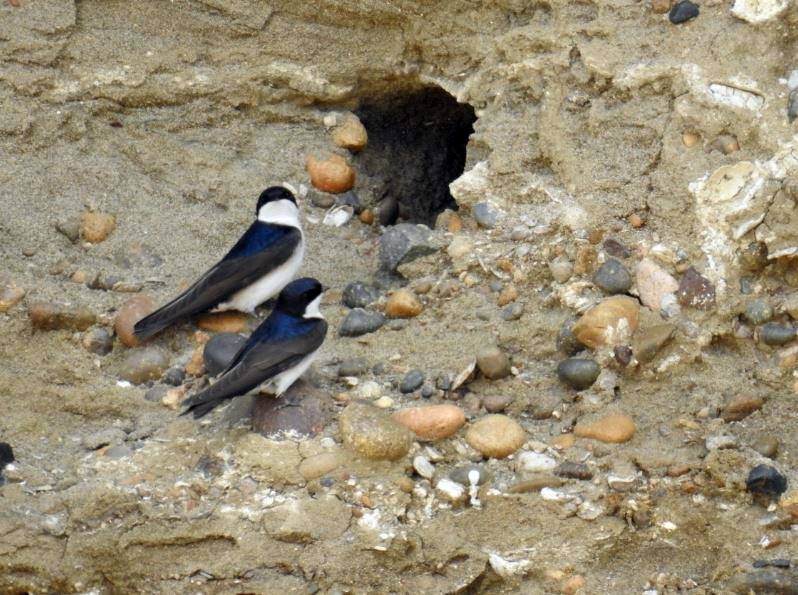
x,y
485,214
758,312
613,277
220,351
174,376
773,333
360,322
355,366
512,311
412,380
359,295
578,373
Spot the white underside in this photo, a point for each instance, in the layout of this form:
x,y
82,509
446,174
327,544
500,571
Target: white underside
x,y
281,212
280,383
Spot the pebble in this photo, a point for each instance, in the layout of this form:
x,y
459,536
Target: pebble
x,y
534,462
423,467
764,479
96,227
450,490
403,243
133,310
720,441
535,484
507,295
741,406
792,105
359,295
773,333
613,277
360,322
614,428
412,380
50,316
695,290
726,144
653,284
143,364
496,436
650,340
459,246
611,322
682,12
561,269
578,373
766,445
98,340
172,398
174,376
350,133
493,363
758,312
485,214
196,364
465,473
224,322
10,293
497,403
566,342
69,228
103,438
354,366
321,200
754,257
220,350
333,174
372,433
156,393
384,402
369,390
403,303
433,422
388,211
585,260
512,312
301,410
338,216
573,470
660,6
320,465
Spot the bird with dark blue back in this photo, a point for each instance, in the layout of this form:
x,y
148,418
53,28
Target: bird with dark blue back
x,y
276,354
255,269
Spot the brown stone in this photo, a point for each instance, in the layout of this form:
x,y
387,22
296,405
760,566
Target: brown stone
x,y
434,422
302,409
493,363
50,316
610,322
129,314
224,322
496,403
695,290
661,7
371,432
196,365
585,260
741,406
649,341
366,216
333,174
10,293
636,220
403,303
95,226
496,436
535,484
350,133
726,144
563,441
320,464
508,295
616,428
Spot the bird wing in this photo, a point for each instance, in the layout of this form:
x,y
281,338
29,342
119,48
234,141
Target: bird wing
x,y
259,251
255,363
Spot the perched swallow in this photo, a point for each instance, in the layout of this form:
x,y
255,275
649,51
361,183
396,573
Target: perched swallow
x,y
277,353
260,264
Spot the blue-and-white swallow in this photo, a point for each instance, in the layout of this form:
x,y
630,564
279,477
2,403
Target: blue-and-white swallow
x,y
277,353
260,264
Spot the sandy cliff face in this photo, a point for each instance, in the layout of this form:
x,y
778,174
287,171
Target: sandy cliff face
x,y
587,116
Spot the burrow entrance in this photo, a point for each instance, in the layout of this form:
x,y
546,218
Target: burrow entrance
x,y
417,146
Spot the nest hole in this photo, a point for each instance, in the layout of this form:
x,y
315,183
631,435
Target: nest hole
x,y
417,146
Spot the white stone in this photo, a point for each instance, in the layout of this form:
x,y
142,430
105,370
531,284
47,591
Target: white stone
x,y
653,284
423,467
720,441
758,11
450,490
384,402
472,186
369,390
459,247
506,568
338,215
534,462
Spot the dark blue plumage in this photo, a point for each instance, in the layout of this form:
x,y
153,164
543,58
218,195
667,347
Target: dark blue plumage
x,y
257,238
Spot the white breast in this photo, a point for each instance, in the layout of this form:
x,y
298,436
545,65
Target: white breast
x,y
284,380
